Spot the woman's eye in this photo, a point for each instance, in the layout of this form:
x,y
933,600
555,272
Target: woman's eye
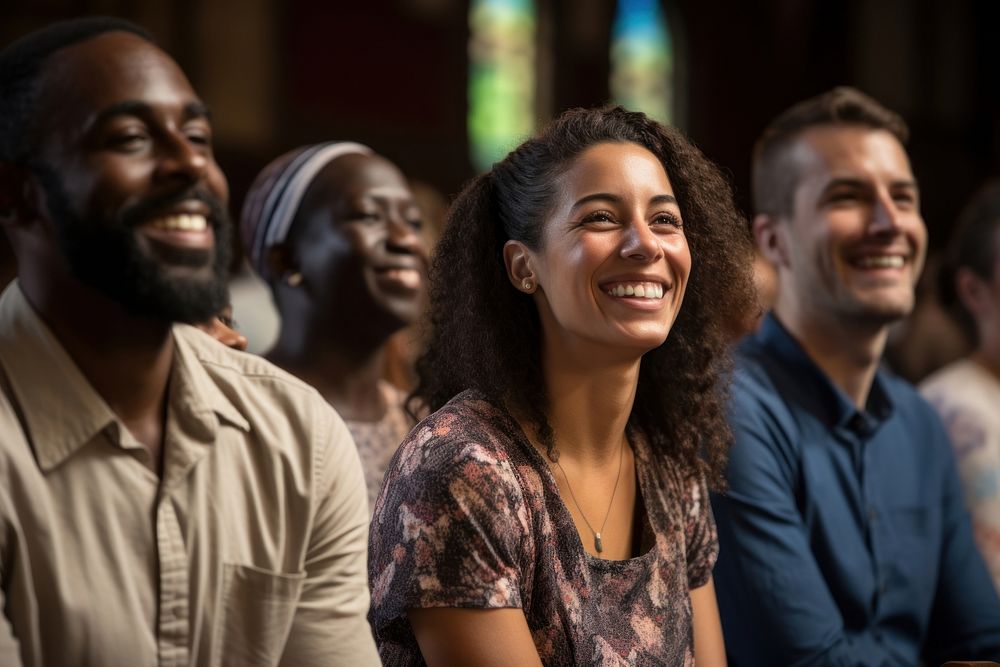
x,y
668,219
599,218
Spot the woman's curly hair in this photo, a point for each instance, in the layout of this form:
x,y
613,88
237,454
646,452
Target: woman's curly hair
x,y
486,335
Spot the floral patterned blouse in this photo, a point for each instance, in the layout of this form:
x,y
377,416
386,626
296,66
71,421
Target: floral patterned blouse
x,y
470,516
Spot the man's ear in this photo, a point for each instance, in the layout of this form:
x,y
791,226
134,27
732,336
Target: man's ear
x,y
768,232
517,259
19,194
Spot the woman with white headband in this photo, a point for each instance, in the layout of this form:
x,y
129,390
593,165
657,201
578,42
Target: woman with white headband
x,y
334,230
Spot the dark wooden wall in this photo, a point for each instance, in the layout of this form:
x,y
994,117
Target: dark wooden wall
x,y
392,73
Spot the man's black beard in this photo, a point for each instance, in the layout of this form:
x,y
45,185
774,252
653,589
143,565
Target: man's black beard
x,y
105,255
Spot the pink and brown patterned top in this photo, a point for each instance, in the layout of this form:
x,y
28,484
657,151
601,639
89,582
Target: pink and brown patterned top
x,y
377,441
470,516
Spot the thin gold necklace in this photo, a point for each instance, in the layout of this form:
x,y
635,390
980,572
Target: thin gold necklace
x,y
598,543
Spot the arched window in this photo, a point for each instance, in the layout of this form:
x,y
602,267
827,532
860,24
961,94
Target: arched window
x,y
642,60
501,77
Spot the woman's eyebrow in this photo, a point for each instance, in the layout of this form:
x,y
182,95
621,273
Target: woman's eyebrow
x,y
615,199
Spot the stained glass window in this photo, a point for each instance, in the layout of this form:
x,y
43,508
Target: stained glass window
x,y
642,59
501,77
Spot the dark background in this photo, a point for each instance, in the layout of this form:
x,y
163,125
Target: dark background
x,y
392,74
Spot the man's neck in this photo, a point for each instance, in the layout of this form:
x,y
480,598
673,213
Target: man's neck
x,y
126,359
847,351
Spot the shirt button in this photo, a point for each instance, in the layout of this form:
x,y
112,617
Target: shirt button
x,y
872,514
858,424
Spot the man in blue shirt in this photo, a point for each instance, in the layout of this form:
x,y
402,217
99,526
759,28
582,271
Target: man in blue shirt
x,y
843,536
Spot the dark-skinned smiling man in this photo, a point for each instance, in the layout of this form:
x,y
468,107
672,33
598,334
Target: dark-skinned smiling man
x,y
163,500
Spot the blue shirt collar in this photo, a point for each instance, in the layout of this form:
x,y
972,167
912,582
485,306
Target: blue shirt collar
x,y
838,410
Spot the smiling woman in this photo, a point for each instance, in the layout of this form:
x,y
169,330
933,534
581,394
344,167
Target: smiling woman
x,y
554,508
334,229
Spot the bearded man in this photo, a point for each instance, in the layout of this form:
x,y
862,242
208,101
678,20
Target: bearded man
x,y
163,499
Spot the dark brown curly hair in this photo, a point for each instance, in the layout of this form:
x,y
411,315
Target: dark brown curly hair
x,y
486,335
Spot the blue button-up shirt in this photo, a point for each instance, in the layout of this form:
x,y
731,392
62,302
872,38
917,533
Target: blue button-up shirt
x,y
843,536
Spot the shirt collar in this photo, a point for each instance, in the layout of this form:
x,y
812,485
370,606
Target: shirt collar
x,y
60,408
196,398
833,404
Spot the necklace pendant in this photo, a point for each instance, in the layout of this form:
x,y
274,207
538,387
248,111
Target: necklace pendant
x,y
598,544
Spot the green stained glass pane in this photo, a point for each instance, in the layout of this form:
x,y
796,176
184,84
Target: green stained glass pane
x,y
501,77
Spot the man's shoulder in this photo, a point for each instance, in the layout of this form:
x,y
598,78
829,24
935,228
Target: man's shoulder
x,y
757,373
912,407
220,359
254,386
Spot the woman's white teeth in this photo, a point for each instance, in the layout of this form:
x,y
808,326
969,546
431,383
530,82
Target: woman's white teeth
x,y
881,262
184,222
641,290
408,277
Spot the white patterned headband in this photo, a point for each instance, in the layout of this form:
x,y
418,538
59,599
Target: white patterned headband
x,y
275,196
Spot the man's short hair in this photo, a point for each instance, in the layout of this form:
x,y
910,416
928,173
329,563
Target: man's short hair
x,y
21,65
774,176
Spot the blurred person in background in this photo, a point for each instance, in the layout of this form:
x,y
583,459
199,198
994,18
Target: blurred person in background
x,y
966,393
222,328
336,232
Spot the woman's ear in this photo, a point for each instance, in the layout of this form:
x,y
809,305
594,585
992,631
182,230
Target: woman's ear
x,y
517,258
282,265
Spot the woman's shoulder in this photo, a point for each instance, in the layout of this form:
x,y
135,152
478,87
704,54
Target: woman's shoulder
x,y
468,436
469,418
461,469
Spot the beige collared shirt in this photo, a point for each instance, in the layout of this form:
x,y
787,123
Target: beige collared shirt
x,y
251,549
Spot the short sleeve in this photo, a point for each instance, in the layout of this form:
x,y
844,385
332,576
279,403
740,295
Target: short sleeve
x,y
702,542
450,527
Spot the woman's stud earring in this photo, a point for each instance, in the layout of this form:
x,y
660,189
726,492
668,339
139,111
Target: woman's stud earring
x,y
527,284
294,279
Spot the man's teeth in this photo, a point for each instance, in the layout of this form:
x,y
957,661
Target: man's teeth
x,y
184,222
880,262
641,290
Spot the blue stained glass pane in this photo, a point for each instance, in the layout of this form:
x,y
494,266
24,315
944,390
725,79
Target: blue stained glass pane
x,y
642,59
